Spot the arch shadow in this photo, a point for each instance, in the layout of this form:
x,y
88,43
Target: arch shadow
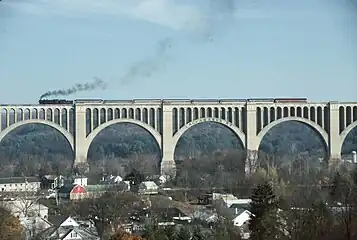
x,y
69,137
239,134
345,133
312,125
155,134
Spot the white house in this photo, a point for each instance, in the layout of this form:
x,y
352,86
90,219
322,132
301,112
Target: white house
x,y
148,187
124,185
20,184
69,229
163,179
111,179
83,181
241,218
229,199
25,208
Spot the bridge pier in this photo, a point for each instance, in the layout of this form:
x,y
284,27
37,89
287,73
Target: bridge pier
x,y
334,139
252,141
80,147
168,166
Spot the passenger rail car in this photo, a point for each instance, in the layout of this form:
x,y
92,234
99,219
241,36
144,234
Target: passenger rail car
x,y
54,101
263,100
290,100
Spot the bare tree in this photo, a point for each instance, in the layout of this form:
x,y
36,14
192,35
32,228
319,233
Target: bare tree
x,y
251,161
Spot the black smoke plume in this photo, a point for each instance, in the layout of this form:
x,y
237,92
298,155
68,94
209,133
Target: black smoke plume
x,y
147,67
212,20
80,87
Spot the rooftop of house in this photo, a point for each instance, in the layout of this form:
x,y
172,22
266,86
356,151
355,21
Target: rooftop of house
x,y
240,205
163,214
67,188
19,205
96,188
51,177
149,184
63,226
18,180
239,211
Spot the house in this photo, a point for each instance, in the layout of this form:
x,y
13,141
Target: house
x,y
228,199
148,187
111,179
97,190
80,180
20,184
52,181
72,192
205,199
69,229
241,218
163,179
165,215
240,206
25,208
124,186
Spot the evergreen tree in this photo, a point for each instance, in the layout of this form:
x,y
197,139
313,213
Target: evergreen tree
x,y
265,223
170,233
198,234
183,234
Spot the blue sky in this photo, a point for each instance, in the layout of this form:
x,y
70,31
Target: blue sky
x,y
304,48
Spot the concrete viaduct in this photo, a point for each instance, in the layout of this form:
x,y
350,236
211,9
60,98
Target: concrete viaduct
x,y
167,120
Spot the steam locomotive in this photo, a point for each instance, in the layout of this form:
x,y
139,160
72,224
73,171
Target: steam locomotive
x,y
55,101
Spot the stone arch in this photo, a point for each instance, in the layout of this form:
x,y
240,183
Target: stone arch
x,y
101,127
230,126
69,137
345,133
318,129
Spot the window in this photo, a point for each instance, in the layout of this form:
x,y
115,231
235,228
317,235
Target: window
x,y
74,234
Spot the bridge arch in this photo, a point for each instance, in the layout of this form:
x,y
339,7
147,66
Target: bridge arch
x,y
234,129
69,137
141,124
317,128
345,133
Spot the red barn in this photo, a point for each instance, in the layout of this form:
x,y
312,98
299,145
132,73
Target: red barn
x,y
72,192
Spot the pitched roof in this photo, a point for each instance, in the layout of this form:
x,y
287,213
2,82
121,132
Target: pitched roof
x,y
96,188
240,205
57,231
18,180
149,184
66,188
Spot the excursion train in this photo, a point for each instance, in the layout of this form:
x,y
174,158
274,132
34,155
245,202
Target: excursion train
x,y
262,100
55,101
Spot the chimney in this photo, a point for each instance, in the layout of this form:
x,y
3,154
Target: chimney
x,y
236,211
